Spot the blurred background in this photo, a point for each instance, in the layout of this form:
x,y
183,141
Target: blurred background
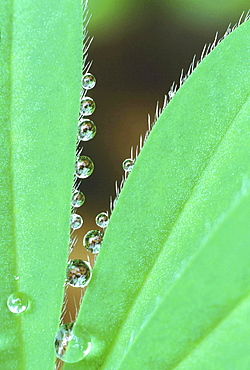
x,y
139,49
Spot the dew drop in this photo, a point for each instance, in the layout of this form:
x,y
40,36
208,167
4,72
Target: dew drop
x,y
86,130
84,167
88,81
92,241
78,273
78,198
18,302
87,106
76,221
102,220
70,347
128,164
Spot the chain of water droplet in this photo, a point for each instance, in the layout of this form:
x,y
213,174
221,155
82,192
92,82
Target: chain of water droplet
x,y
78,272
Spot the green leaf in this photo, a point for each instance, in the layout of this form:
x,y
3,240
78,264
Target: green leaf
x,y
104,11
40,72
205,13
170,288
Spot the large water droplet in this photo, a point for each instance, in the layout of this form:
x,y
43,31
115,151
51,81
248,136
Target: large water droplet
x,y
86,130
78,198
78,273
128,164
70,347
87,106
92,241
18,302
84,167
102,220
76,221
88,81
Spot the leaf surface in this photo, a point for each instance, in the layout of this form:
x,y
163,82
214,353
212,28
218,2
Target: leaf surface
x,y
40,72
171,283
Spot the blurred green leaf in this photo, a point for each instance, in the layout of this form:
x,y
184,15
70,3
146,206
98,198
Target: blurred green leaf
x,y
110,16
171,283
206,12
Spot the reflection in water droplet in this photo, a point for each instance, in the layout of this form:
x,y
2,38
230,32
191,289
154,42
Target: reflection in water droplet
x,y
76,221
102,220
87,106
18,302
92,241
78,273
78,198
127,165
88,81
84,167
86,130
70,347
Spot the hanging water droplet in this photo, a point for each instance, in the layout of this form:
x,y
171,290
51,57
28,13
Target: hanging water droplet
x,y
87,106
84,167
78,273
102,220
86,130
78,198
70,347
76,221
18,302
92,241
88,81
128,164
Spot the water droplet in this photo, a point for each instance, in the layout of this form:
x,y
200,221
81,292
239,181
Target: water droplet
x,y
76,221
102,220
78,273
16,277
128,164
84,167
78,198
87,106
18,302
92,241
88,81
70,347
86,130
